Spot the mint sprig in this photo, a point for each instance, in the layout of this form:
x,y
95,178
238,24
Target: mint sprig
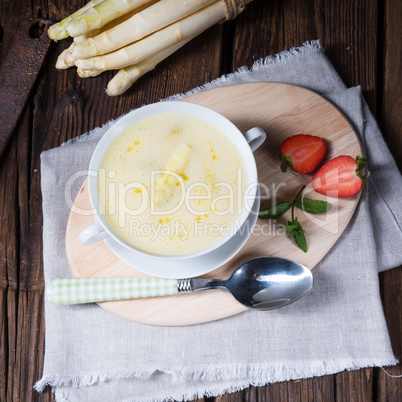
x,y
294,227
297,232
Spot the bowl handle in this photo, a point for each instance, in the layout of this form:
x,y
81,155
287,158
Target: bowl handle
x,y
92,234
255,137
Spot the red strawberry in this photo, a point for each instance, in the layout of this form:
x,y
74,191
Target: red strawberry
x,y
341,177
302,153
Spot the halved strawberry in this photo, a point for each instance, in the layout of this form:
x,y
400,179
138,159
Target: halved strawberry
x,y
341,177
302,153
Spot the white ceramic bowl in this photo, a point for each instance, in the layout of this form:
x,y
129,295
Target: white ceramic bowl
x,y
245,144
189,267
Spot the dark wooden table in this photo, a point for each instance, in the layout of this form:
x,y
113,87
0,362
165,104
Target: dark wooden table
x,y
363,41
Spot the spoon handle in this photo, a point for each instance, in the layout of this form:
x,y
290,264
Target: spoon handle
x,y
92,290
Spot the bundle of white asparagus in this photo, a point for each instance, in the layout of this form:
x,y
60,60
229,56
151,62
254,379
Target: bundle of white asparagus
x,y
133,36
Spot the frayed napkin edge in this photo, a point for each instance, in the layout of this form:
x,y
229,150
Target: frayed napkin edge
x,y
281,57
253,374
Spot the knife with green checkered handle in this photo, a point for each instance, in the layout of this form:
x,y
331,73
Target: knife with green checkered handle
x,y
92,290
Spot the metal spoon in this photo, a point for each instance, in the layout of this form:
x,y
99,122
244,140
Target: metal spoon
x,y
262,284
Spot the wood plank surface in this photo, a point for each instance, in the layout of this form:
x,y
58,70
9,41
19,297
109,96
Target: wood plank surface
x,y
362,39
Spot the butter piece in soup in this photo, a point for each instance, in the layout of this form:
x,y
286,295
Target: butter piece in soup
x,y
166,181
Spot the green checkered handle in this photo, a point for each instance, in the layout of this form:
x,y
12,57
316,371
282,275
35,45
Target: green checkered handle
x,y
92,290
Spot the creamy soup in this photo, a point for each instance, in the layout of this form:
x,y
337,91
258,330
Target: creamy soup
x,y
172,184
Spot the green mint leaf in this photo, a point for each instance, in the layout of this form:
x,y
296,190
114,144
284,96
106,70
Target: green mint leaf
x,y
275,211
297,233
291,227
313,206
300,240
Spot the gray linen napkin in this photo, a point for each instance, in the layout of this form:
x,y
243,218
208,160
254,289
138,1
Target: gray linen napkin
x,y
92,355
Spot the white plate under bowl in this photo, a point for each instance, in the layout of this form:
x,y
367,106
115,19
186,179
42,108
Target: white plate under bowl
x,y
189,267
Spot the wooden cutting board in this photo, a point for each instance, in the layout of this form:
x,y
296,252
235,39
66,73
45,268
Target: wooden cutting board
x,y
281,110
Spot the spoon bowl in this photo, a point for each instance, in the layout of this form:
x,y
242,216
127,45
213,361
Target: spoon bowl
x,y
269,282
263,283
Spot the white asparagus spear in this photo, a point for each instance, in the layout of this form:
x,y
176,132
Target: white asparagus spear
x,y
65,60
60,63
129,75
190,26
69,60
126,77
98,16
87,73
150,20
58,31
